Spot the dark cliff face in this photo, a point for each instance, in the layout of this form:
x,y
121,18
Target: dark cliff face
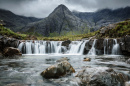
x,y
60,20
104,17
15,22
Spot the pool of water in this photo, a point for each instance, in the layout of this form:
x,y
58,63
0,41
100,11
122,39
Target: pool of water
x,y
27,69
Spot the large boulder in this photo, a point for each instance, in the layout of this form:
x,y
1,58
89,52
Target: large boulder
x,y
101,76
125,45
10,51
58,70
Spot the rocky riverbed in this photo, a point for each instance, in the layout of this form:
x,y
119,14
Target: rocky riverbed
x,y
100,71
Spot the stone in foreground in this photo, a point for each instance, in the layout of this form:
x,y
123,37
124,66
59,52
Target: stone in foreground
x,y
10,51
101,76
58,70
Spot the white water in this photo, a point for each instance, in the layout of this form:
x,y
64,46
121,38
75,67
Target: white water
x,y
92,50
116,48
20,46
106,46
75,47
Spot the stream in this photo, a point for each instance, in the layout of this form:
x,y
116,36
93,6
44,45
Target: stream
x,y
27,69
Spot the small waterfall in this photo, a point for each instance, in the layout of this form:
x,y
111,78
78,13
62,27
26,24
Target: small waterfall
x,y
92,50
82,47
28,47
59,48
36,47
116,48
20,46
106,46
75,46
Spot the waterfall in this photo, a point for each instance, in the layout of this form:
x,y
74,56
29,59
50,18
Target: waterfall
x,y
82,47
28,47
52,47
116,48
92,50
77,47
106,48
20,46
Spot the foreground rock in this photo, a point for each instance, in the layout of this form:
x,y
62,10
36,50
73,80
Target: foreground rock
x,y
101,76
58,70
10,51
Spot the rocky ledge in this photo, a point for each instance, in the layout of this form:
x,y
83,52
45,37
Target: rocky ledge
x,y
8,47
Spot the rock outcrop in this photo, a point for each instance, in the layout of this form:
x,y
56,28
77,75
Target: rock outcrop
x,y
105,45
8,46
125,45
66,43
10,51
101,77
58,70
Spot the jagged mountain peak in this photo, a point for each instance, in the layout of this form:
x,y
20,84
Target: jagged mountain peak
x,y
60,10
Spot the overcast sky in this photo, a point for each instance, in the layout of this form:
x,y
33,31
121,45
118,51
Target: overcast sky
x,y
42,8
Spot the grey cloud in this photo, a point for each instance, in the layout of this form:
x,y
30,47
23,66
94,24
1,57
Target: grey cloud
x,y
42,8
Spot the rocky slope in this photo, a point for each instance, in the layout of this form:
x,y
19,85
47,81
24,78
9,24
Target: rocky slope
x,y
60,21
104,17
15,22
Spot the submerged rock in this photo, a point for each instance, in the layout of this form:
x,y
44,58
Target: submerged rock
x,y
10,51
101,76
16,84
58,70
87,59
63,59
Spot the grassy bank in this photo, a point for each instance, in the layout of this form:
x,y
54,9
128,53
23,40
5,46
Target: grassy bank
x,y
9,33
119,30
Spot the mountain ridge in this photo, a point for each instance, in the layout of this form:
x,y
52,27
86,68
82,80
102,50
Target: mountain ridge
x,y
104,17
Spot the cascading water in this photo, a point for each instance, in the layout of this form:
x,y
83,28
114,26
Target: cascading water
x,y
77,47
116,48
92,50
106,46
41,47
52,47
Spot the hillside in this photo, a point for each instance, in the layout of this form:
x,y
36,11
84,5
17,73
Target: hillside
x,y
15,22
60,22
104,17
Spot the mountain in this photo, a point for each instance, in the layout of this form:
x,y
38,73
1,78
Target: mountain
x,y
15,22
104,17
60,21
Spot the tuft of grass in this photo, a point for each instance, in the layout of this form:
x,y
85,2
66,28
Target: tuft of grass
x,y
10,33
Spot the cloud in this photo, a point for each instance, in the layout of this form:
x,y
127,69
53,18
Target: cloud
x,y
42,8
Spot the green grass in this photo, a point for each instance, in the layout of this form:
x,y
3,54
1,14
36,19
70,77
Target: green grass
x,y
121,29
69,37
10,33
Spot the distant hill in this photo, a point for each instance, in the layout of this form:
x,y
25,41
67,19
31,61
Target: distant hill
x,y
60,22
15,22
104,17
